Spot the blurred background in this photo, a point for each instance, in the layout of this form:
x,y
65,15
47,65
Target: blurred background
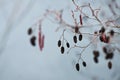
x,y
21,61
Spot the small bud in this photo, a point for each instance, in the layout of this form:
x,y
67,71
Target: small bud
x,y
75,39
59,43
77,67
76,29
62,49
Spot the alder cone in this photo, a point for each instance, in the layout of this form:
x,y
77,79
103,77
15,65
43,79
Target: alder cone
x,y
101,38
109,56
102,30
77,67
107,39
104,38
95,59
80,37
75,39
105,50
29,31
112,32
109,64
32,40
96,53
84,63
59,43
68,45
62,49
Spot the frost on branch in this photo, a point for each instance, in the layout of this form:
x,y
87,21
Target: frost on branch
x,y
105,31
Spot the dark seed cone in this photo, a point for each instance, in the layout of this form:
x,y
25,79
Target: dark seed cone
x,y
75,39
80,37
62,49
32,41
109,56
95,32
29,31
101,38
68,45
107,39
59,43
110,65
84,63
112,32
77,67
104,39
95,59
102,30
105,50
96,53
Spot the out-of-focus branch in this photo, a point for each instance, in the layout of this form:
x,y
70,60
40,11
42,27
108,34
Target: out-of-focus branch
x,y
9,24
14,19
25,11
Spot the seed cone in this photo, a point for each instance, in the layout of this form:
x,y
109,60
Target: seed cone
x,y
62,49
68,45
59,43
32,41
77,67
109,64
29,31
80,37
95,59
75,39
84,63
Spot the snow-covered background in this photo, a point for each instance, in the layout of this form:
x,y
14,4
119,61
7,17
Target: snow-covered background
x,y
20,61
